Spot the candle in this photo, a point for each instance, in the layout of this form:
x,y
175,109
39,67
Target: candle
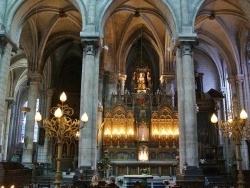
x,y
142,138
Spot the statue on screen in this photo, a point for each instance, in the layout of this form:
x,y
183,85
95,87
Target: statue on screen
x,y
141,85
141,80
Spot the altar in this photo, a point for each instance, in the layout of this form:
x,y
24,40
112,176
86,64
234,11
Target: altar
x,y
130,180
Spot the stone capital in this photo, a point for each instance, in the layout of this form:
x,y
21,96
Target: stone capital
x,y
231,79
186,44
10,101
123,77
239,78
167,78
186,47
50,92
4,39
90,45
34,77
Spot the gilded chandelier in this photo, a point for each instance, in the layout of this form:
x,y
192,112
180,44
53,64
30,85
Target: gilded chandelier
x,y
236,128
62,128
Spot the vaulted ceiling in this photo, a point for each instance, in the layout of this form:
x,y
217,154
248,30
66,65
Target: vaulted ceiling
x,y
51,30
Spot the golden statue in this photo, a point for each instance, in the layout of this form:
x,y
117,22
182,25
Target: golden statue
x,y
141,85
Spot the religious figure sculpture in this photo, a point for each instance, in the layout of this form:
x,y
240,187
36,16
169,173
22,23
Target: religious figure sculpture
x,y
141,81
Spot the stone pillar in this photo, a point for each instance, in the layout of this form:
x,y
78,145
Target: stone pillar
x,y
30,118
244,148
99,134
167,83
239,82
2,11
5,55
47,143
167,86
187,111
89,102
181,98
100,114
110,87
12,131
44,152
91,12
232,84
6,130
122,78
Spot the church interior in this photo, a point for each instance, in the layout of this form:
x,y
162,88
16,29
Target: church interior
x,y
161,84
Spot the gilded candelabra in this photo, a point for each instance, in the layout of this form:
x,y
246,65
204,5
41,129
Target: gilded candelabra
x,y
236,128
166,135
114,136
62,128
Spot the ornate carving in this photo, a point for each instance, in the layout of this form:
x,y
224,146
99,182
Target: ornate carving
x,y
237,79
90,45
34,77
4,39
141,80
186,47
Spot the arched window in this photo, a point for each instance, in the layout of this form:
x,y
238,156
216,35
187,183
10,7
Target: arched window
x,y
24,122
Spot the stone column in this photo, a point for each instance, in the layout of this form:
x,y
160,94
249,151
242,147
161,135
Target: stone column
x,y
244,148
100,114
44,151
2,11
5,136
35,78
167,83
167,86
91,12
110,87
5,56
232,84
239,82
181,98
122,78
187,108
99,133
89,102
12,130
